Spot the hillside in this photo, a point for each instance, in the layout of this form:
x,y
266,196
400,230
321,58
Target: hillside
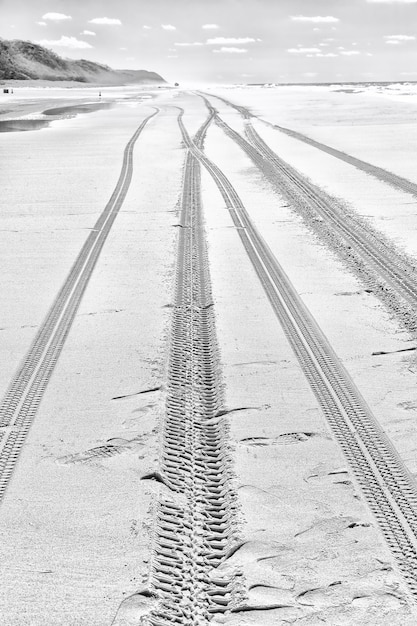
x,y
24,60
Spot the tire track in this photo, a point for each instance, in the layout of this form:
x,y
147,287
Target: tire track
x,y
385,482
388,272
195,518
24,394
383,175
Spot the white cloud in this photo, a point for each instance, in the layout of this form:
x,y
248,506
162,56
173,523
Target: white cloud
x,y
226,40
326,54
210,26
310,74
65,42
188,45
107,21
90,33
56,17
172,56
393,42
42,23
124,49
303,50
230,50
168,27
395,39
146,27
350,53
315,19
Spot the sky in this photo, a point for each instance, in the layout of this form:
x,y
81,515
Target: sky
x,y
228,41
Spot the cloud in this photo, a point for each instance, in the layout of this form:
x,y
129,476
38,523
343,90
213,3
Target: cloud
x,y
310,74
168,27
188,45
326,54
303,50
396,39
226,40
350,53
90,33
107,21
210,26
65,42
315,19
230,50
146,27
56,17
42,23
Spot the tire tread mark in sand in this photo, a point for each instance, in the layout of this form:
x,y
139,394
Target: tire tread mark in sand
x,y
21,401
388,488
385,176
195,527
368,253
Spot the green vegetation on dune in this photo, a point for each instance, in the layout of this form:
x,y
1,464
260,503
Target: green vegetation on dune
x,y
24,60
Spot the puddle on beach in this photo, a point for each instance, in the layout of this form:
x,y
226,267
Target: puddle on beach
x,y
74,109
7,126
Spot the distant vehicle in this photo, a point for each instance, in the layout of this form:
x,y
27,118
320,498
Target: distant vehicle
x,y
176,84
5,91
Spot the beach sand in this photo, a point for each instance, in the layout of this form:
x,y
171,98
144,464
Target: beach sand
x,y
78,520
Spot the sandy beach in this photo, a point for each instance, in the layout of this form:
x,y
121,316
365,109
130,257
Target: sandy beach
x,y
208,370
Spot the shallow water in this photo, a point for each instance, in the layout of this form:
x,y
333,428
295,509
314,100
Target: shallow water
x,y
14,125
79,108
8,126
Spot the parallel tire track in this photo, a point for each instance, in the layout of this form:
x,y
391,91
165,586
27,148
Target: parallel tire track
x,y
195,523
24,394
369,254
385,176
386,484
